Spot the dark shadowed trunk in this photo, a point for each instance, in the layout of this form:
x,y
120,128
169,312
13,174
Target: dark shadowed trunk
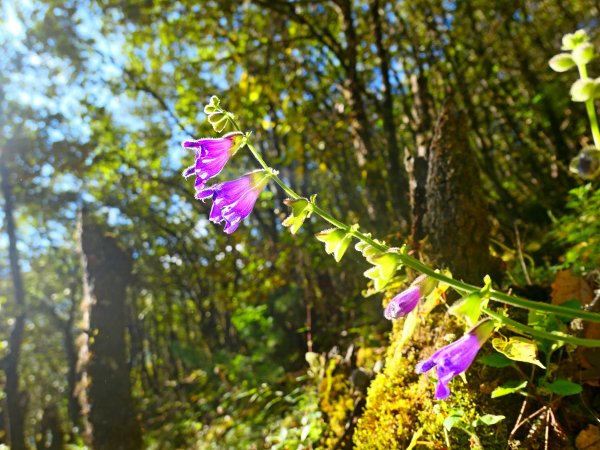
x,y
51,435
107,270
456,221
416,163
15,399
75,413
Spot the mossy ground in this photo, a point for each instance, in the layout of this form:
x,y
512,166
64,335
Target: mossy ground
x,y
400,404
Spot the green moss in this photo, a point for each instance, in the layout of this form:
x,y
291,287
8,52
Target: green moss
x,y
336,402
400,403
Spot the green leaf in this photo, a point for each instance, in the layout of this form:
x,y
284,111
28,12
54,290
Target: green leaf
x,y
496,360
487,286
510,387
454,417
408,329
561,386
491,419
518,349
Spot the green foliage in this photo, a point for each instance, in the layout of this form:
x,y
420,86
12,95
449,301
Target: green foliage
x,y
562,387
497,360
95,98
580,229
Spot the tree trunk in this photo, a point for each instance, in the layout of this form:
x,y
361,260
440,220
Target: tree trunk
x,y
396,175
455,233
456,221
15,399
416,164
107,270
74,408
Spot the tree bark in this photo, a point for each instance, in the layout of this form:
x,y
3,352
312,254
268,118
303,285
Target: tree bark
x,y
108,400
417,163
456,221
15,399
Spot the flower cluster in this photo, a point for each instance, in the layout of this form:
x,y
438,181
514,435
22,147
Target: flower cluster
x,y
232,200
451,360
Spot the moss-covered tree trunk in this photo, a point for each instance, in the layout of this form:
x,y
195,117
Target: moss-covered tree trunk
x,y
456,221
107,400
456,233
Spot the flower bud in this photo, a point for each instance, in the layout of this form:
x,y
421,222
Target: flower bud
x,y
583,90
572,40
561,62
407,300
301,209
583,53
336,241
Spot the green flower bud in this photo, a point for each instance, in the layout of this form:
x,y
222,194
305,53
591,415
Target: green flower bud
x,y
468,307
212,105
336,241
584,53
561,62
385,266
301,209
572,40
583,90
218,121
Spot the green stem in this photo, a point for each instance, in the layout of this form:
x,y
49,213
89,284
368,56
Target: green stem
x,y
417,265
520,328
591,108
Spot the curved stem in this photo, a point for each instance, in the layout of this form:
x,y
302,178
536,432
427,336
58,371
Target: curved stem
x,y
417,265
520,328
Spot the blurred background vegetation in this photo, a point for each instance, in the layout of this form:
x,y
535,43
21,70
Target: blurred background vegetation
x,y
258,339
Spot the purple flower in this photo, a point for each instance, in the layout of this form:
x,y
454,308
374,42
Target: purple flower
x,y
233,200
403,303
455,358
407,300
211,156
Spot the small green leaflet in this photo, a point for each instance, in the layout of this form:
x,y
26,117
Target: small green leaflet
x,y
510,387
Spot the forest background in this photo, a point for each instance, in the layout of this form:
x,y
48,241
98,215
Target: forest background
x,y
258,339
